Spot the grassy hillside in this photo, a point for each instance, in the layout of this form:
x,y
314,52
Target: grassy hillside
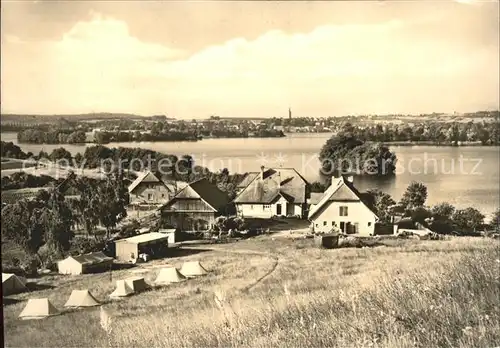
x,y
283,293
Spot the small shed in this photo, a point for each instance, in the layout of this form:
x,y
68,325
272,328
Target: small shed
x,y
154,244
86,263
171,233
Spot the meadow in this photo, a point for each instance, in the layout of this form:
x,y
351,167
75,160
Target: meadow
x,y
276,292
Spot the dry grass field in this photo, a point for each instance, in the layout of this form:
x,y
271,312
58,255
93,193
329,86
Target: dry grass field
x,y
276,292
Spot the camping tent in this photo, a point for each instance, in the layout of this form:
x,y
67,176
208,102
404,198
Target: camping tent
x,y
137,284
122,289
86,263
12,284
169,275
38,308
81,298
193,269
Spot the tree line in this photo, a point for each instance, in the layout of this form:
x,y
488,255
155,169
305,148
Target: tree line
x,y
51,136
441,218
45,225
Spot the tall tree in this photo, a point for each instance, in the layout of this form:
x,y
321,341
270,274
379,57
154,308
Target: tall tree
x,y
468,219
382,203
414,196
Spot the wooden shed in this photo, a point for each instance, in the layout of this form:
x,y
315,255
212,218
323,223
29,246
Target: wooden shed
x,y
154,244
86,263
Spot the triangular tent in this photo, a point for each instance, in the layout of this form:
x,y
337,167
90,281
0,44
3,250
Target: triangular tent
x,y
12,284
122,289
193,269
81,298
169,275
137,284
38,308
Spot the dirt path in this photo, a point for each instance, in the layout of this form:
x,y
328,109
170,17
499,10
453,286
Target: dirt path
x,y
253,252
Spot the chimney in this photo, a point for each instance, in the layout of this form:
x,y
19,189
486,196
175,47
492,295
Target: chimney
x,y
262,172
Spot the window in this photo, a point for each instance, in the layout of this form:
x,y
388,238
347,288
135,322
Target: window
x,y
266,206
162,195
150,196
317,225
324,223
343,211
369,224
333,223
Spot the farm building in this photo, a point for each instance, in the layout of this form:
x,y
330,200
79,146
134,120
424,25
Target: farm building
x,y
154,244
86,263
273,192
343,208
195,207
148,189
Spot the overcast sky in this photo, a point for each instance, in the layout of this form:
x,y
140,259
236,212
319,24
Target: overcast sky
x,y
249,59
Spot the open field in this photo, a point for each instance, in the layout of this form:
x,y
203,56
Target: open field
x,y
282,293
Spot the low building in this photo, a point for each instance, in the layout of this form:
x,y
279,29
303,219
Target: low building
x,y
274,192
195,207
149,189
343,208
86,263
154,244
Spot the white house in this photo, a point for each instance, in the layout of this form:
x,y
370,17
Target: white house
x,y
148,189
273,192
342,207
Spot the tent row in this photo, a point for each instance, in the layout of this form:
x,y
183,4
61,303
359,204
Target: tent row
x,y
166,276
41,307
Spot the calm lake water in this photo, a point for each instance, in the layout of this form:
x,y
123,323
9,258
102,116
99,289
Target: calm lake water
x,y
463,176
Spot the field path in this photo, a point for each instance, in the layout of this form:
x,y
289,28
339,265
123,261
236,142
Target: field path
x,y
253,252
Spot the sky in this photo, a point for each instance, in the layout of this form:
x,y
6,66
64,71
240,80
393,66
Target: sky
x,y
188,59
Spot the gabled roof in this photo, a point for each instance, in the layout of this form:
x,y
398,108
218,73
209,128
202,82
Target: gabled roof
x,y
91,258
204,190
315,197
341,190
284,181
249,177
144,238
146,177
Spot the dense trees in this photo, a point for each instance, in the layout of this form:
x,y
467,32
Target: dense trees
x,y
10,150
51,136
345,153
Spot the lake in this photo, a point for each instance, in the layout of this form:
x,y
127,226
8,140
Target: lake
x,y
463,176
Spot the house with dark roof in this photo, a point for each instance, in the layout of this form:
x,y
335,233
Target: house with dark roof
x,y
195,207
342,208
149,189
274,192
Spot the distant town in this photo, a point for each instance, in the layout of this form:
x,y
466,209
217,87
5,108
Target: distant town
x,y
103,128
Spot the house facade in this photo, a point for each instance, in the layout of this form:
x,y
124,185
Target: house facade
x,y
274,192
342,209
149,189
195,207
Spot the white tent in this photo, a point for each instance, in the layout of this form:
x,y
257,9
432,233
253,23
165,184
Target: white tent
x,y
12,284
122,289
169,275
137,284
193,269
38,308
81,298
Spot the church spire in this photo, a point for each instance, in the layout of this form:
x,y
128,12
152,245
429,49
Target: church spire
x,y
289,113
